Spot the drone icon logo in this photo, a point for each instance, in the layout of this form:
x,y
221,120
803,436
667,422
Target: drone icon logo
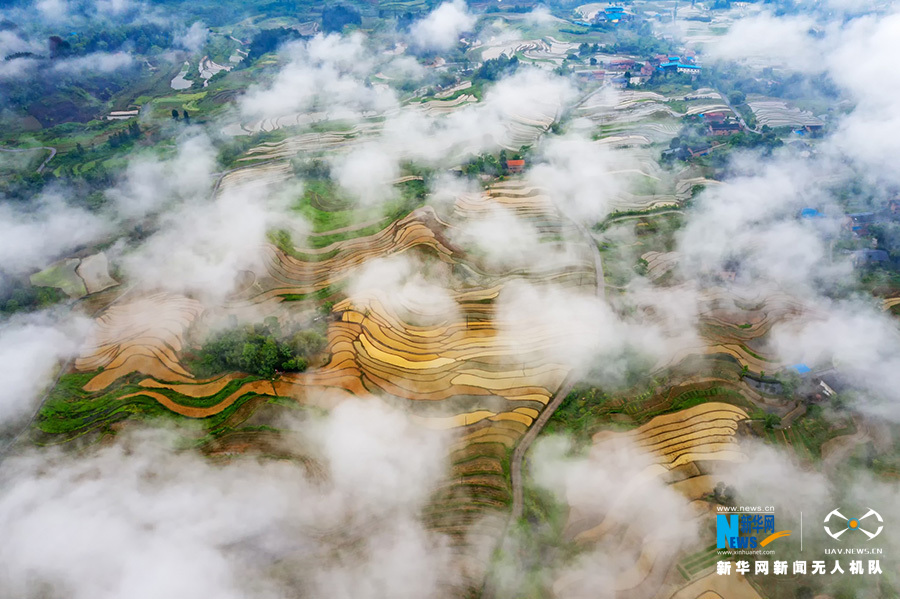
x,y
853,524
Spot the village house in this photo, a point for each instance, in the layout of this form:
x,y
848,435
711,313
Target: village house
x,y
894,206
694,151
121,115
864,258
721,129
590,75
621,65
675,64
515,166
612,14
817,387
858,223
715,117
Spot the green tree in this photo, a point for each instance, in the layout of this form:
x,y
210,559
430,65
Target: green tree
x,y
770,421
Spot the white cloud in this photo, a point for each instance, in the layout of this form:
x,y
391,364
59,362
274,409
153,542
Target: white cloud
x,y
30,238
97,62
367,174
325,75
540,15
441,29
53,10
194,38
139,519
30,349
768,40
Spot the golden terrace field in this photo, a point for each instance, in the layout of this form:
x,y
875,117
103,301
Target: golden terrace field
x,y
680,449
469,369
483,373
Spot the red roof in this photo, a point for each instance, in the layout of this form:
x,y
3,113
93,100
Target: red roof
x,y
515,163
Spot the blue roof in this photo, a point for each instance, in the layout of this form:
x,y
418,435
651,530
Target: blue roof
x,y
678,65
809,213
801,368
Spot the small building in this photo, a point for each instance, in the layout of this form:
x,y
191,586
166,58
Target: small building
x,y
894,206
622,64
590,75
721,129
810,213
801,369
122,115
833,383
515,166
715,117
612,14
699,150
858,223
865,258
677,66
824,385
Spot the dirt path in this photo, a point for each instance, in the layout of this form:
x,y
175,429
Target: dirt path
x,y
221,175
738,114
518,456
40,168
566,388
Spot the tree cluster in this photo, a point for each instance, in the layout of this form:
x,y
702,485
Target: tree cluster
x,y
142,38
260,349
338,16
21,296
495,68
120,138
268,40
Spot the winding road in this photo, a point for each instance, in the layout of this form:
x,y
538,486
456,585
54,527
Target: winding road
x,y
40,169
518,456
489,591
740,118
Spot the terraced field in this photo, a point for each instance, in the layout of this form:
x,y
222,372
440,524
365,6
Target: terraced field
x,y
642,118
306,271
77,277
485,374
713,586
681,449
738,327
144,336
776,113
